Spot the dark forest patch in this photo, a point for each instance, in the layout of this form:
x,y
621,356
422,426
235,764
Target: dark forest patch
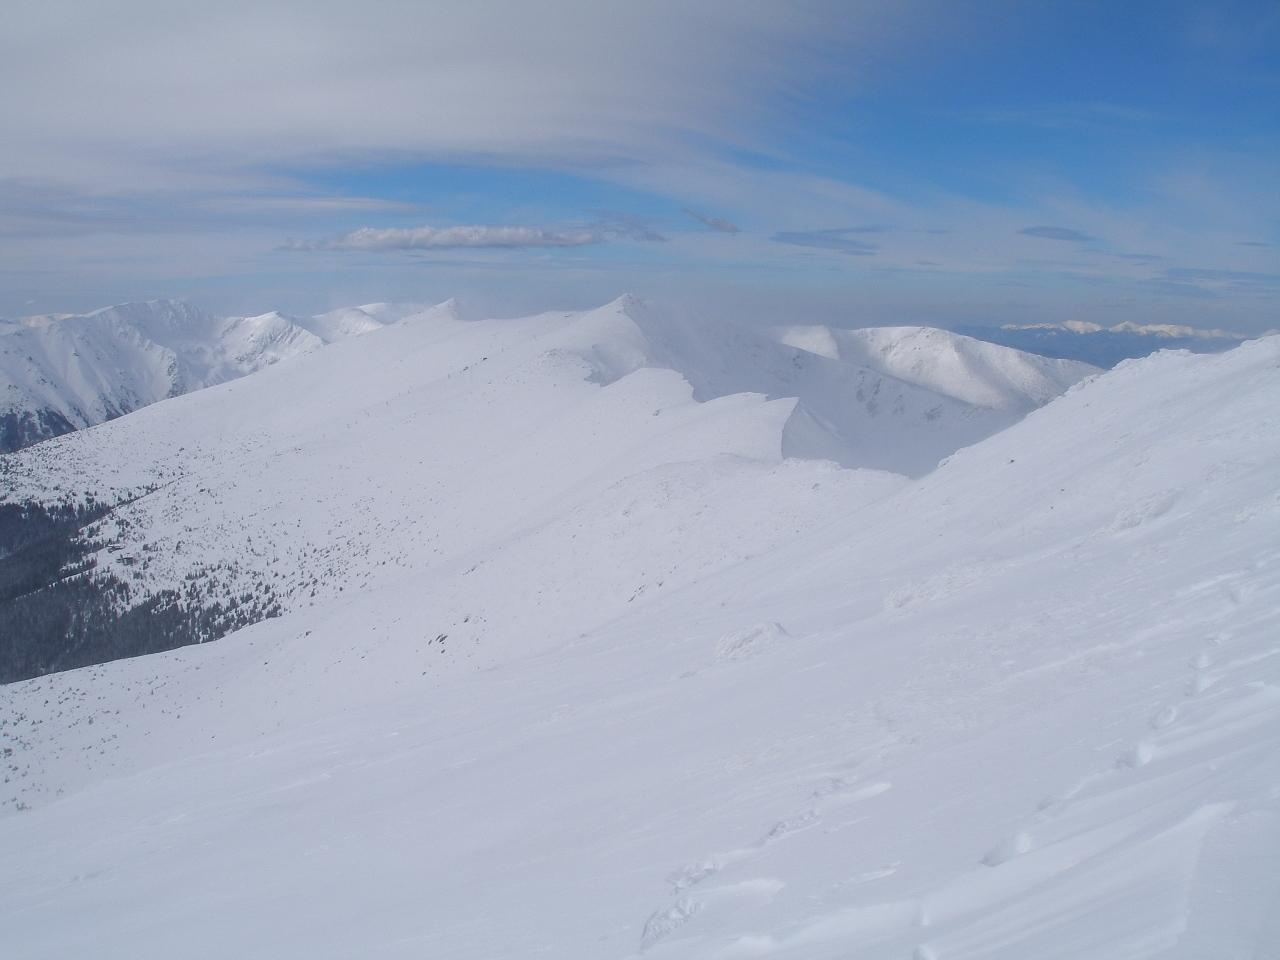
x,y
59,611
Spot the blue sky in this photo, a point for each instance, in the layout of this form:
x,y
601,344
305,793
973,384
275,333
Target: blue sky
x,y
851,163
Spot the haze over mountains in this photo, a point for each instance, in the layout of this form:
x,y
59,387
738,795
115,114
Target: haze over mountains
x,y
1105,346
602,634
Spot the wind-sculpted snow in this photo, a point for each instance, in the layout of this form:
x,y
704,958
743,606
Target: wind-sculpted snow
x,y
592,671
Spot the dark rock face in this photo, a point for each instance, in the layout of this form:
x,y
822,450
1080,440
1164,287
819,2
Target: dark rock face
x,y
20,429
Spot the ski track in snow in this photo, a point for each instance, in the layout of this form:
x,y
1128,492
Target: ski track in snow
x,y
1026,706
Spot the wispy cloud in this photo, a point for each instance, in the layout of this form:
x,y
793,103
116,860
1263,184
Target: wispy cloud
x,y
622,226
34,208
442,238
1178,288
1250,278
839,240
567,79
1057,233
480,236
1211,283
719,224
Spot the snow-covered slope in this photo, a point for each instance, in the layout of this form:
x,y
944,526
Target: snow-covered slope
x,y
609,678
63,373
420,446
270,492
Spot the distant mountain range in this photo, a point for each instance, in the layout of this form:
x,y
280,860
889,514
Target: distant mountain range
x,y
1104,346
894,398
64,372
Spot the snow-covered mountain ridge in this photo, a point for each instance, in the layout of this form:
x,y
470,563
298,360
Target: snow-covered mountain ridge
x,y
63,373
629,683
971,371
66,372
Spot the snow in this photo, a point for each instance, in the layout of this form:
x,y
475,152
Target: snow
x,y
444,412
90,368
984,375
902,406
593,670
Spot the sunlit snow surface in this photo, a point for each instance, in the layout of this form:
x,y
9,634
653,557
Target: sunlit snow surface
x,y
692,700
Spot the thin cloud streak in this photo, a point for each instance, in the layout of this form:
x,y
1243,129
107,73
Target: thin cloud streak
x,y
479,236
1058,233
719,224
838,241
420,238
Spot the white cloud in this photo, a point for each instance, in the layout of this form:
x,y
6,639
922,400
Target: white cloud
x,y
170,85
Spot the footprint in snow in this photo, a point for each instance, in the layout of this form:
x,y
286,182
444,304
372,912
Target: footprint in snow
x,y
1011,846
693,874
784,828
1139,755
750,641
1198,684
662,923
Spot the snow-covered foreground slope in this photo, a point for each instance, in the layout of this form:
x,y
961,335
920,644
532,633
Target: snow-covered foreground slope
x,y
1027,706
63,373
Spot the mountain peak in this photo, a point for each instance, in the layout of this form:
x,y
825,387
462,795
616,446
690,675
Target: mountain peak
x,y
626,303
